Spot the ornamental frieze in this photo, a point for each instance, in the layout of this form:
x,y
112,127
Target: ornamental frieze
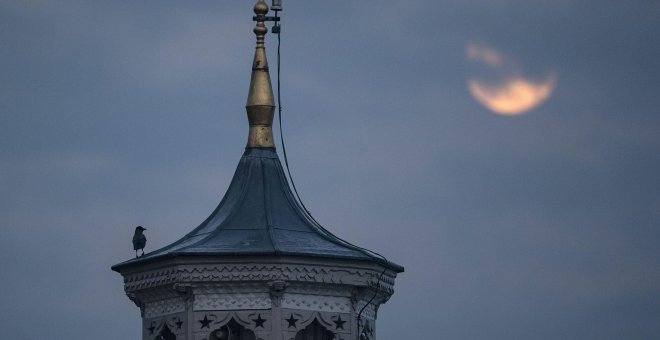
x,y
164,307
232,301
259,272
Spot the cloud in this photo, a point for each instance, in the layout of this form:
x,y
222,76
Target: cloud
x,y
483,54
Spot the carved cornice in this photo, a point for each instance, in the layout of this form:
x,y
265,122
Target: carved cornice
x,y
164,307
200,273
235,301
317,302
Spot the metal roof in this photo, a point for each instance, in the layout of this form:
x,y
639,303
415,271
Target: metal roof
x,y
260,216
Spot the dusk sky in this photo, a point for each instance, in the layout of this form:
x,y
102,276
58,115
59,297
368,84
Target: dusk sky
x,y
505,152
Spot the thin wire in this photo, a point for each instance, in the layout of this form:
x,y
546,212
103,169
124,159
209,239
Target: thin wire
x,y
380,277
286,159
295,190
279,115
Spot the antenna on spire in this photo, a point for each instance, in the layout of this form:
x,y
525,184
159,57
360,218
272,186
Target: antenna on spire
x,y
276,6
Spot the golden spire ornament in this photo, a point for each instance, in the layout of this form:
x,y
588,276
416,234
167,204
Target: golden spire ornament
x,y
260,102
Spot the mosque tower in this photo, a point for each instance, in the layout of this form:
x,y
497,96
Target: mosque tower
x,y
259,267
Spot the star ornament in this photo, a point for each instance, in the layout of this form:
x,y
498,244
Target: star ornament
x,y
339,323
292,321
259,322
205,322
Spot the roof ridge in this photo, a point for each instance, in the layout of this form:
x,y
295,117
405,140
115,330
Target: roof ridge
x,y
269,217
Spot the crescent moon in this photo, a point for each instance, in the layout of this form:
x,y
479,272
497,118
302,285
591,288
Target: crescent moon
x,y
513,96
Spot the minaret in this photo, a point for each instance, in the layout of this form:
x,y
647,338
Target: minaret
x,y
259,267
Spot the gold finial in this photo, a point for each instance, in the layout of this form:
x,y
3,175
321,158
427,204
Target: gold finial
x,y
260,102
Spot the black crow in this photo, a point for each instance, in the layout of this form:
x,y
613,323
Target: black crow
x,y
139,240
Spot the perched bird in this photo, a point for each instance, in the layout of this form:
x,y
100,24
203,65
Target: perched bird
x,y
139,240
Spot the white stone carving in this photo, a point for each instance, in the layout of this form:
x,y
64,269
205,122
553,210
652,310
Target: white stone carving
x,y
245,289
153,326
317,303
246,272
232,301
164,307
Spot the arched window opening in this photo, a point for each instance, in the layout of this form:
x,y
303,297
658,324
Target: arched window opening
x,y
315,331
232,331
165,334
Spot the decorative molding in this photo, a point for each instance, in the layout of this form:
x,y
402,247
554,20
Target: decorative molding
x,y
207,295
137,301
318,303
202,288
276,292
320,289
246,272
164,307
236,301
367,330
369,313
149,279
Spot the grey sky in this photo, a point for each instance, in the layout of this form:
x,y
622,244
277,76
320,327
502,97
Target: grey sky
x,y
544,225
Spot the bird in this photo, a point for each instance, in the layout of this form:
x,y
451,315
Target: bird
x,y
139,240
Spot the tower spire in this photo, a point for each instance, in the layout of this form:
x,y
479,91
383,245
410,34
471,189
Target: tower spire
x,y
244,266
260,102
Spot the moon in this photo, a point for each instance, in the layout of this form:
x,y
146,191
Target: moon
x,y
501,86
513,96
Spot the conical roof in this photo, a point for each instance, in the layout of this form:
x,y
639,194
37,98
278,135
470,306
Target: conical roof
x,y
258,214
